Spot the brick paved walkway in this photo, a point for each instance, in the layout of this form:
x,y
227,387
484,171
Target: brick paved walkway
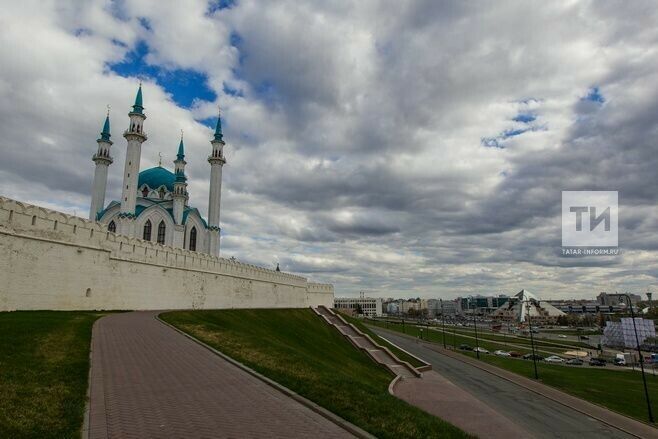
x,y
150,381
440,397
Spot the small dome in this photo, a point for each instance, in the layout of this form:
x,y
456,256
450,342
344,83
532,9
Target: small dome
x,y
156,177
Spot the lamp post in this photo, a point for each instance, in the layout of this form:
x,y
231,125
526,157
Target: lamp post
x,y
639,352
532,339
443,323
475,325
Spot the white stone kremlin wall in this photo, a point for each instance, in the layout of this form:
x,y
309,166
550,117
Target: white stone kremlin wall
x,y
49,260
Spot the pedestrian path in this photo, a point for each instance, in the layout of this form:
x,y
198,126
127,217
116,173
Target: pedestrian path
x,y
149,381
362,341
440,397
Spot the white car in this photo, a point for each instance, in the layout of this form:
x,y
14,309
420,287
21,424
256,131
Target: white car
x,y
562,336
502,354
554,359
479,349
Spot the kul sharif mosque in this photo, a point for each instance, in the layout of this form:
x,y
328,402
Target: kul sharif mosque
x,y
154,202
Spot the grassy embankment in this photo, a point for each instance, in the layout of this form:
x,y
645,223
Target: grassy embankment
x,y
44,367
550,345
617,390
297,349
487,338
583,331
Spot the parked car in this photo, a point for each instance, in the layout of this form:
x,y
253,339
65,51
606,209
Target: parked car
x,y
465,347
502,354
480,349
584,337
562,336
514,354
554,359
575,362
529,357
596,362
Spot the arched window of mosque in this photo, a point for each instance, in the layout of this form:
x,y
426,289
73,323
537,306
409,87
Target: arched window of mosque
x,y
161,232
112,227
162,193
193,239
145,192
147,230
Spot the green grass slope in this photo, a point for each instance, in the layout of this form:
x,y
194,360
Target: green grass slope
x,y
295,348
44,367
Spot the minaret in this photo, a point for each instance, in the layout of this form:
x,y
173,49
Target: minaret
x,y
180,195
103,161
135,136
216,161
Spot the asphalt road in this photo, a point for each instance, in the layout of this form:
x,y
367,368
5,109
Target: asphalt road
x,y
543,417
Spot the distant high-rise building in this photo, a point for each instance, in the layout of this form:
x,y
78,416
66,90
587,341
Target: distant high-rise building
x,y
371,307
617,299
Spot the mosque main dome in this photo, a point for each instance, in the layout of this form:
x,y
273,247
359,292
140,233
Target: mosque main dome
x,y
156,177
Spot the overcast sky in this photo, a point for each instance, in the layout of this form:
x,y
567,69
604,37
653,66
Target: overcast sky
x,y
403,148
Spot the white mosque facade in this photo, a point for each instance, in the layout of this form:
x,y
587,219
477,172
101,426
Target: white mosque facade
x,y
154,202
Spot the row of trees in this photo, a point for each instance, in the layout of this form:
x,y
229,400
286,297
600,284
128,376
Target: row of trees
x,y
581,320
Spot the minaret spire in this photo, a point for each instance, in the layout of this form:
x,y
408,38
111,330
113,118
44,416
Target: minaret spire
x,y
103,160
216,161
138,107
180,194
135,136
219,136
105,134
181,148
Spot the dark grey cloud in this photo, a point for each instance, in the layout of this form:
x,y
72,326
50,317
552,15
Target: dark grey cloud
x,y
355,151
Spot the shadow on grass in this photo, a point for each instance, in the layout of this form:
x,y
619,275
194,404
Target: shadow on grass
x,y
44,367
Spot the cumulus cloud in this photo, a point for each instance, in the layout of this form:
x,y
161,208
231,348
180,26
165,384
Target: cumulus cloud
x,y
402,148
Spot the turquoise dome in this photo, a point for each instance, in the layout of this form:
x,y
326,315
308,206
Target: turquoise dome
x,y
156,177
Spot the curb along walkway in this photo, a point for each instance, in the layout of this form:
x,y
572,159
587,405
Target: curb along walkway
x,y
148,381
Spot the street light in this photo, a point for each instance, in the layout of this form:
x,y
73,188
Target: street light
x,y
532,339
639,352
649,294
443,323
475,325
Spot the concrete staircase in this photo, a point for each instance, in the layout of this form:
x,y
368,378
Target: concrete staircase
x,y
380,354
